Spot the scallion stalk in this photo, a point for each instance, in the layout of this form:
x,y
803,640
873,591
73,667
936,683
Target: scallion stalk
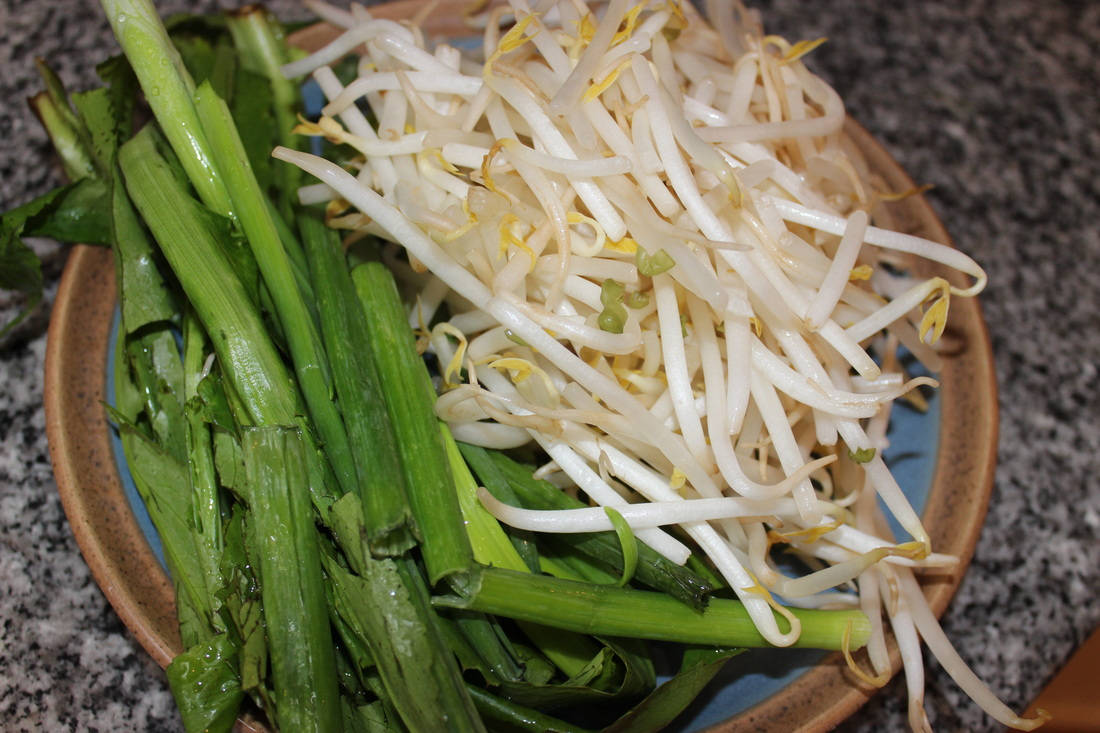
x,y
499,473
359,392
613,611
168,88
245,351
507,715
259,40
381,604
295,609
205,496
570,652
410,400
300,330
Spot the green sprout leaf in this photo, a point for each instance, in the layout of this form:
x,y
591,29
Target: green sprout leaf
x,y
863,455
613,316
628,542
653,264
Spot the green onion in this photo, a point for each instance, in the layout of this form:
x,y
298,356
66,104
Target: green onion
x,y
59,98
259,40
168,88
189,244
200,460
383,604
490,543
504,714
660,708
242,604
492,547
485,637
517,486
613,611
208,691
163,484
410,400
299,329
295,610
64,135
359,393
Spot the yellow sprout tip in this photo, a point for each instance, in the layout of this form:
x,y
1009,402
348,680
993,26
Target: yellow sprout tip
x,y
861,272
800,49
628,24
625,245
913,550
934,321
1041,716
677,480
600,87
487,162
877,680
891,196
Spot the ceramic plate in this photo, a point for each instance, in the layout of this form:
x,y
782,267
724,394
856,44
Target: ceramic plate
x,y
943,458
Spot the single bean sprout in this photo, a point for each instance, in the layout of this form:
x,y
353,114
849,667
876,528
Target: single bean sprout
x,y
652,248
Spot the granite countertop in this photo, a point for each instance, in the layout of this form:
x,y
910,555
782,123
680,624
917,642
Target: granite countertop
x,y
994,103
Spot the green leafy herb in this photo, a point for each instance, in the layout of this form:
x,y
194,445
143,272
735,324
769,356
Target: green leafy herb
x,y
207,688
294,602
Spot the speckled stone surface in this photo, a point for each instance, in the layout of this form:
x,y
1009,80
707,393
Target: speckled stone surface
x,y
995,104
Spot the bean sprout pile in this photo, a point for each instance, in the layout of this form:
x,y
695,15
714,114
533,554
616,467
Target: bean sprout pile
x,y
654,249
